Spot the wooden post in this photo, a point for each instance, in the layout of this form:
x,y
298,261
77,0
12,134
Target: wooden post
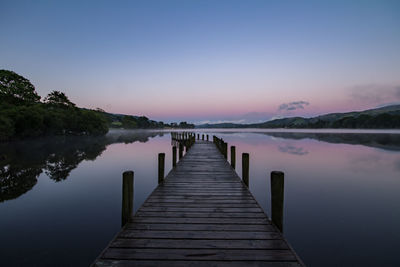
x,y
225,149
198,136
207,137
161,166
180,151
233,157
173,156
202,137
127,197
277,192
245,168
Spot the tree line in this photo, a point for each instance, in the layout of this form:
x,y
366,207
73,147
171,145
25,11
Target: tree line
x,y
23,113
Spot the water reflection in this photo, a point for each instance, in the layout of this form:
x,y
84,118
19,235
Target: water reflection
x,y
22,162
383,141
300,151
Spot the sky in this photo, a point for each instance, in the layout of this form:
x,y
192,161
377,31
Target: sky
x,y
208,61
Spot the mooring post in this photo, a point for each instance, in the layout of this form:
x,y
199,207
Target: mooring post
x,y
202,137
161,166
180,151
233,157
127,197
207,137
245,168
225,149
277,192
173,156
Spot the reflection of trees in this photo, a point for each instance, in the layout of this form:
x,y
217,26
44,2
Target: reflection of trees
x,y
383,141
299,151
22,162
15,181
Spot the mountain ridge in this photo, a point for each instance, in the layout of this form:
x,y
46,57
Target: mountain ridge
x,y
383,117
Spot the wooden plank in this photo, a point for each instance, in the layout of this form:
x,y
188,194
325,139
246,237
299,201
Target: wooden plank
x,y
198,243
198,254
185,263
201,227
202,209
201,220
198,234
176,214
200,205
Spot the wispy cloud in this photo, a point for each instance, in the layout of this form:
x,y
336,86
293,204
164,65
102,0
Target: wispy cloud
x,y
375,94
293,105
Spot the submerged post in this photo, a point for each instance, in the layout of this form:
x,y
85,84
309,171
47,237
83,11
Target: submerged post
x,y
127,197
161,166
180,150
233,157
277,192
245,168
173,156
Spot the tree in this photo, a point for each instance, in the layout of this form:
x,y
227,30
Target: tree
x,y
59,99
16,89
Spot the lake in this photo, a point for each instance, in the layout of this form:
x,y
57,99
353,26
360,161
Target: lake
x,y
60,197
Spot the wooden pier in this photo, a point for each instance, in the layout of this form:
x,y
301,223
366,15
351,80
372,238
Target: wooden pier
x,y
201,214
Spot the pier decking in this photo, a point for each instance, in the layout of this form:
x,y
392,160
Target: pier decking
x,y
201,215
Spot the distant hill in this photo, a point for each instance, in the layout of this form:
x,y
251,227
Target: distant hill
x,y
139,122
379,118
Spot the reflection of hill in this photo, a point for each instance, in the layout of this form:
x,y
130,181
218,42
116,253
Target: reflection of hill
x,y
22,162
383,141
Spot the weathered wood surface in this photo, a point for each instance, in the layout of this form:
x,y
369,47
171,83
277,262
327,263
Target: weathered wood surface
x,y
201,215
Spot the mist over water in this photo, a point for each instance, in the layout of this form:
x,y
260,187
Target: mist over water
x,y
60,198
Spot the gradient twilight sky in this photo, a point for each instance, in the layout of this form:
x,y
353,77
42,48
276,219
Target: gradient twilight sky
x,y
207,60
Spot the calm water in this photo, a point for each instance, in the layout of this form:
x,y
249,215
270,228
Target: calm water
x,y
60,198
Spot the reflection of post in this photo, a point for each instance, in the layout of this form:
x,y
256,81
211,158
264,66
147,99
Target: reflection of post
x,y
233,157
180,150
161,165
277,189
173,156
245,168
127,197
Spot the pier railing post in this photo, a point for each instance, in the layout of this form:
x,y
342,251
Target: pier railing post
x,y
277,193
225,149
161,166
245,168
127,197
173,156
180,151
233,157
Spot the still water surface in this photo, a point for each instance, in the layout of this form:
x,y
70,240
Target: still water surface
x,y
60,198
